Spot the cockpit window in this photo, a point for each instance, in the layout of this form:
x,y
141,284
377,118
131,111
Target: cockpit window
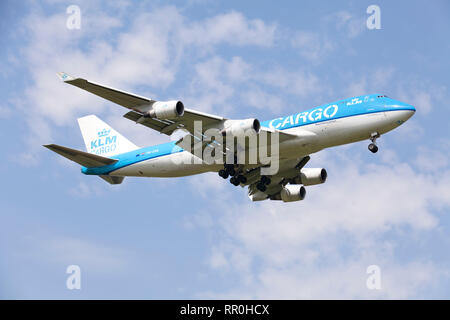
x,y
383,96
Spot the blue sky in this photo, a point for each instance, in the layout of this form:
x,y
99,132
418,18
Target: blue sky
x,y
201,237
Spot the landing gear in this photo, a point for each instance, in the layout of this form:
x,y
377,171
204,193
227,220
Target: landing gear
x,y
373,146
227,171
234,181
237,180
223,173
265,180
229,168
261,185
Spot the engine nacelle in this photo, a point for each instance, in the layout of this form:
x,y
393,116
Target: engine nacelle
x,y
293,192
238,128
166,110
311,176
258,196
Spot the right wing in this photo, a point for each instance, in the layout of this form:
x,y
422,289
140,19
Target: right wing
x,y
288,170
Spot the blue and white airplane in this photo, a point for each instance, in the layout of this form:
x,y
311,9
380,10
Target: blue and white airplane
x,y
112,157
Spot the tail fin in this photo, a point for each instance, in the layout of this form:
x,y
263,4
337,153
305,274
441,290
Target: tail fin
x,y
101,139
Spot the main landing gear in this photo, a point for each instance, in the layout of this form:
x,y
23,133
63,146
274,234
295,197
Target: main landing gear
x,y
373,146
261,185
237,178
229,171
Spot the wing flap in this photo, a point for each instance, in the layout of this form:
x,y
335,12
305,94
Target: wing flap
x,y
148,122
85,159
186,122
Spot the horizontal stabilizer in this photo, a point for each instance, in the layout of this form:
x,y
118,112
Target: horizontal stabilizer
x,y
85,159
112,179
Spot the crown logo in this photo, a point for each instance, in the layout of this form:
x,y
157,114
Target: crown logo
x,y
103,133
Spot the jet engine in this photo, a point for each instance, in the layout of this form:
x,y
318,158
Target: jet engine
x,y
311,176
238,128
293,192
165,110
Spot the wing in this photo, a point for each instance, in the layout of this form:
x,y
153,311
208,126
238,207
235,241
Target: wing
x,y
139,105
288,171
194,122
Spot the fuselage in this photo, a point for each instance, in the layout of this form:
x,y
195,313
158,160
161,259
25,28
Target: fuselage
x,y
342,122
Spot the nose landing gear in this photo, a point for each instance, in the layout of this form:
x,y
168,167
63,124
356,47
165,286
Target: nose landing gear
x,y
373,146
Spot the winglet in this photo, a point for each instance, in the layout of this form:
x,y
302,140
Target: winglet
x,y
64,76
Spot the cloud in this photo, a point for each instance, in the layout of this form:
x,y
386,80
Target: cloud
x,y
321,247
221,84
84,190
424,94
312,45
5,112
256,97
297,82
146,52
434,160
212,85
353,25
231,28
379,81
90,256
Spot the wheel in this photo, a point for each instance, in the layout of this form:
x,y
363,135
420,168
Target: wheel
x,y
231,171
242,179
265,180
223,174
234,181
261,186
373,148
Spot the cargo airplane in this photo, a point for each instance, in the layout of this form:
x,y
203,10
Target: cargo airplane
x,y
112,157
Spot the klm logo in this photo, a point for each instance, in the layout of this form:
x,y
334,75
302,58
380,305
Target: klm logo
x,y
103,133
104,143
354,101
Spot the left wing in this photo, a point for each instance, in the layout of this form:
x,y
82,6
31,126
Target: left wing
x,y
139,106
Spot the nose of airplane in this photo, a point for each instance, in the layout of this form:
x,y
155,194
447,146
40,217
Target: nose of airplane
x,y
406,110
410,110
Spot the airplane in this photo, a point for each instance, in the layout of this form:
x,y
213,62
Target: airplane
x,y
113,157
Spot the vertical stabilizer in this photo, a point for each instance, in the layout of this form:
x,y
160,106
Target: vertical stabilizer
x,y
101,139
